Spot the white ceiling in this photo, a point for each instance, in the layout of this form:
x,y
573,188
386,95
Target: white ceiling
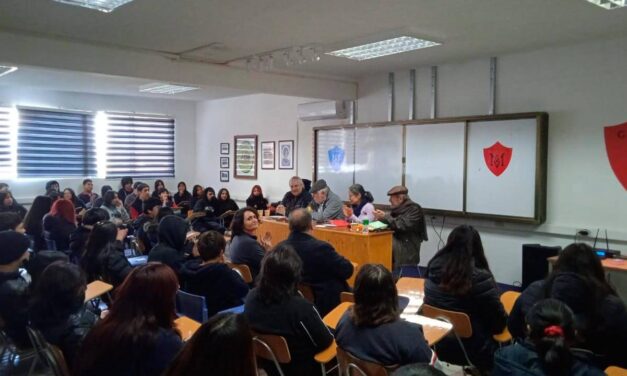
x,y
238,28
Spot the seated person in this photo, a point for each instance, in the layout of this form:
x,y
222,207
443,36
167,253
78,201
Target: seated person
x,y
59,224
8,204
113,205
126,188
103,190
547,350
104,254
245,249
88,196
70,195
226,206
324,270
256,199
139,336
159,185
206,212
170,249
578,280
210,277
33,222
360,204
372,329
459,279
79,237
52,186
326,205
297,197
14,286
276,307
205,350
143,222
137,205
166,199
11,221
58,308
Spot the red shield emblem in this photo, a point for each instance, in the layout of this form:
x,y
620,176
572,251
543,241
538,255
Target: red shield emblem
x,y
497,158
616,146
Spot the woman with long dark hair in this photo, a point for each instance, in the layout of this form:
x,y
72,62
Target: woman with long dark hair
x,y
548,347
459,279
205,352
159,184
8,204
182,195
226,205
33,222
373,330
138,337
104,254
276,307
113,205
256,199
578,280
197,194
70,195
360,204
59,224
245,247
58,307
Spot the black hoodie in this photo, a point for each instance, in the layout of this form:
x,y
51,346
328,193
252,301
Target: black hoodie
x,y
171,247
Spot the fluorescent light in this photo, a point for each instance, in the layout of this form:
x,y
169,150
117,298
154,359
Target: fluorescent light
x,y
609,4
6,70
101,5
163,88
383,48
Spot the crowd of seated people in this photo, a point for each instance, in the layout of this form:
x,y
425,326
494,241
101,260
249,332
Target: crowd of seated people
x,y
573,322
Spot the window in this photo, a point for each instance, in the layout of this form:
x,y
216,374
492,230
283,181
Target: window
x,y
7,142
139,146
55,144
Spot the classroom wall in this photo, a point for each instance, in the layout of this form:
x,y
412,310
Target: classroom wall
x,y
582,87
183,111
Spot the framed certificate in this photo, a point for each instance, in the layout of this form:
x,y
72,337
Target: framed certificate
x,y
245,166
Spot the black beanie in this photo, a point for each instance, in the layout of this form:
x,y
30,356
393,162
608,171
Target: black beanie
x,y
12,246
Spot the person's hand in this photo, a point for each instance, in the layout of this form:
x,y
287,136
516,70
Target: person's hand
x,y
104,313
192,235
348,212
122,232
379,214
280,209
266,241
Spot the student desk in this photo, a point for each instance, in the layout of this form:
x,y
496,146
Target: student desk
x,y
360,248
96,289
616,273
187,327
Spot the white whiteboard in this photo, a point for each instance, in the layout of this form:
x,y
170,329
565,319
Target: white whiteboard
x,y
378,159
335,159
434,165
512,193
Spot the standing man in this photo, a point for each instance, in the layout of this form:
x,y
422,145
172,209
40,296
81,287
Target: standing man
x,y
296,198
407,220
324,270
326,204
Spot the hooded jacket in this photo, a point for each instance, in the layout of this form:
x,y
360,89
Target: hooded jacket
x,y
170,249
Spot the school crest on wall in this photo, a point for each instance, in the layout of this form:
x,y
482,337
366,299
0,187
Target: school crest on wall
x,y
616,147
336,157
497,158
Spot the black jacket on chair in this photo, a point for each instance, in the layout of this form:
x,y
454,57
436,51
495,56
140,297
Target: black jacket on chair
x,y
604,335
324,269
481,303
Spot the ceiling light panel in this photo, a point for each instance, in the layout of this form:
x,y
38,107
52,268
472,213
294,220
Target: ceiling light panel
x,y
609,4
163,88
6,70
383,48
101,5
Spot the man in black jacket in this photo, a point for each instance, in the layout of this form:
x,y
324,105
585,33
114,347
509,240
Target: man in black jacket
x,y
324,269
14,286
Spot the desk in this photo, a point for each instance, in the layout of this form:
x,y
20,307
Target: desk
x,y
96,289
433,329
361,248
187,327
616,273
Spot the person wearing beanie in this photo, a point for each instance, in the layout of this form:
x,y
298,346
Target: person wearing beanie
x,y
14,286
326,205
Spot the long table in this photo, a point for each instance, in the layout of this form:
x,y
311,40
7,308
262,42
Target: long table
x,y
360,248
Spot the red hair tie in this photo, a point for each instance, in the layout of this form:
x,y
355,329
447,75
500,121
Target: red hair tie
x,y
554,331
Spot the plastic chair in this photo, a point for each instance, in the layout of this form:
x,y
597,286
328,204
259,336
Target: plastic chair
x,y
273,348
192,306
243,270
615,371
307,292
48,354
462,327
351,365
508,299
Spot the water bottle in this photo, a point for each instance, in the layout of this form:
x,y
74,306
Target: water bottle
x,y
366,223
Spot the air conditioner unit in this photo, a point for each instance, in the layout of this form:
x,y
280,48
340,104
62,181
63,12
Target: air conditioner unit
x,y
322,110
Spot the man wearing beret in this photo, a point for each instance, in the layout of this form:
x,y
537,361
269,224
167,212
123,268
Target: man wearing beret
x,y
326,205
14,286
407,220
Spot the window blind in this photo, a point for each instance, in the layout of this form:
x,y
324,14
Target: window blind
x,y
140,146
6,159
55,144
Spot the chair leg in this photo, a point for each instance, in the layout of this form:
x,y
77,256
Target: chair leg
x,y
33,365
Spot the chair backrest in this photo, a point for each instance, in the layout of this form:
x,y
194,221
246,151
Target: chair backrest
x,y
243,270
460,321
192,306
615,371
508,298
347,297
307,292
351,365
56,361
272,347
